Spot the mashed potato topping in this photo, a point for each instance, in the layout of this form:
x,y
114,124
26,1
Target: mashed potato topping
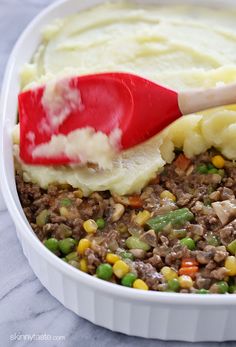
x,y
84,145
59,99
180,47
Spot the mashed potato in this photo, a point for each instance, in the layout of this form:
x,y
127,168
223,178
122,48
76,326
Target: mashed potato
x,y
180,47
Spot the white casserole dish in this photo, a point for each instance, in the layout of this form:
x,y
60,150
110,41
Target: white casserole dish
x,y
167,316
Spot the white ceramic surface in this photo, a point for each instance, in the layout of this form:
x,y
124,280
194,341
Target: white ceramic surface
x,y
2,203
170,316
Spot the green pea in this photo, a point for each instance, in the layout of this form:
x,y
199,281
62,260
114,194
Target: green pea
x,y
128,279
232,247
134,243
100,223
67,245
202,291
52,244
173,285
127,255
189,243
72,256
202,169
222,287
104,271
65,202
232,289
42,218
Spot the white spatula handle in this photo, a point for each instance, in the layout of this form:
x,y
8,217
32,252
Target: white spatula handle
x,y
199,100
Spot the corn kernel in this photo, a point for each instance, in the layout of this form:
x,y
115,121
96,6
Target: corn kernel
x,y
166,194
78,194
142,217
168,273
64,212
83,245
83,266
185,282
218,161
120,268
112,258
140,284
90,226
230,265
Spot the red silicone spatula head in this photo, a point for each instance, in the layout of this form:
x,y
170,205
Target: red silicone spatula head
x,y
104,102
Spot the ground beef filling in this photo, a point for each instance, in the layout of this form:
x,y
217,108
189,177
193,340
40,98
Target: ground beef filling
x,y
178,235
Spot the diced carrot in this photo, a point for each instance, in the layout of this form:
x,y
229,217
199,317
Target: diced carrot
x,y
135,201
188,262
189,271
182,162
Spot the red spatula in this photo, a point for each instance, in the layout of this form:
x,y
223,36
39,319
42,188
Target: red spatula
x,y
105,102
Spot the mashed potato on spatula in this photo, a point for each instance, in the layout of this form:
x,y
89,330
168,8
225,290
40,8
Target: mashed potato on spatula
x,y
180,47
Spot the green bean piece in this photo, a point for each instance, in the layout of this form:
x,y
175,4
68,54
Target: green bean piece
x,y
232,247
52,244
72,256
42,218
74,263
127,255
134,243
128,279
67,245
213,171
202,169
65,202
210,166
175,218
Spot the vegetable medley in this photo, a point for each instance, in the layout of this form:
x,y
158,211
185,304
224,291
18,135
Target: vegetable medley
x,y
178,235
